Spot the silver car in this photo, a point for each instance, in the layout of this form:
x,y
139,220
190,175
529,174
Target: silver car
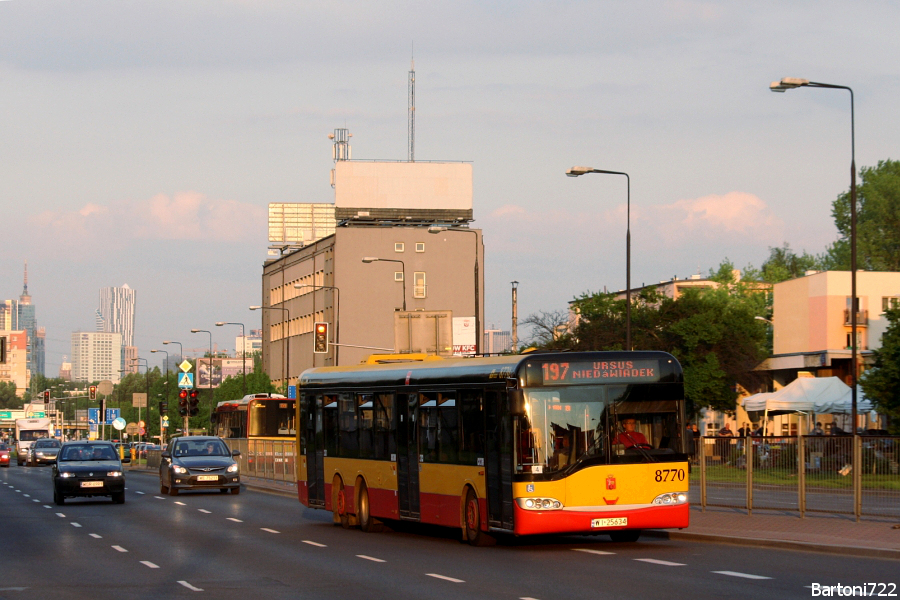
x,y
43,452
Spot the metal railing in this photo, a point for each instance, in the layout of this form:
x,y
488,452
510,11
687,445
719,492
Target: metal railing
x,y
265,459
837,474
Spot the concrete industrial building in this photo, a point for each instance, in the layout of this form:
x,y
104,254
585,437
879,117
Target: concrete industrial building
x,y
413,217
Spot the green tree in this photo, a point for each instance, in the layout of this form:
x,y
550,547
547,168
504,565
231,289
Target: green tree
x,y
258,382
877,221
881,384
8,398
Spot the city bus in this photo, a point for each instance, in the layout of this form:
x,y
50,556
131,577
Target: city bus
x,y
520,445
255,416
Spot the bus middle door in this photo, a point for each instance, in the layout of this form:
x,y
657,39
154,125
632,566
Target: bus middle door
x,y
408,456
315,462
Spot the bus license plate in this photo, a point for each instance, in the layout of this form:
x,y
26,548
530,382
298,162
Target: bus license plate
x,y
85,484
613,522
207,477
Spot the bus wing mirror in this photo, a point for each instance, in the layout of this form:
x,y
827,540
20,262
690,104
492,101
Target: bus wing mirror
x,y
517,403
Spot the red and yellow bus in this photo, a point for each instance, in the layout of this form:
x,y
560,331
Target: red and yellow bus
x,y
521,445
270,416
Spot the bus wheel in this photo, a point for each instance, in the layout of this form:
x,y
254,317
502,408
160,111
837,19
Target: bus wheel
x,y
472,522
366,522
339,503
630,535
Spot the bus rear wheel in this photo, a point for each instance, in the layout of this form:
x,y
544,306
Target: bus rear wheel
x,y
472,522
630,535
363,511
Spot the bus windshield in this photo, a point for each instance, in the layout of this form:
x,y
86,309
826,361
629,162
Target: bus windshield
x,y
566,427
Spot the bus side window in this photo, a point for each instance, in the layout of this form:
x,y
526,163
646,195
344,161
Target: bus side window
x,y
471,427
448,427
428,426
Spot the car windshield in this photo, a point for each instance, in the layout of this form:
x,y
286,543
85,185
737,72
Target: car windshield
x,y
47,444
86,452
201,448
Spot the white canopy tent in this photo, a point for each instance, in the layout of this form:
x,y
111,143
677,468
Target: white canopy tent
x,y
808,395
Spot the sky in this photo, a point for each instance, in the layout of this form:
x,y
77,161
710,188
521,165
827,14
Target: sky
x,y
142,141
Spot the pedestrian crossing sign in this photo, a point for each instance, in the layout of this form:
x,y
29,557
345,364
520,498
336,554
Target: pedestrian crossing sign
x,y
186,381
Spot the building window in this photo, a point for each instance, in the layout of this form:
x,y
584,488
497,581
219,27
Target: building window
x,y
419,284
889,302
420,246
399,246
398,275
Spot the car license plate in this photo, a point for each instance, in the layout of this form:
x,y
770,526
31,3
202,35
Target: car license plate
x,y
86,484
207,477
613,522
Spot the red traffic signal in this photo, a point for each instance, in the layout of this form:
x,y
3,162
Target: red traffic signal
x,y
183,403
320,343
46,395
92,392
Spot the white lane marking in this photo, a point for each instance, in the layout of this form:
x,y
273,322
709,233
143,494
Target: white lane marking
x,y
190,587
744,575
664,563
96,536
159,497
147,563
47,506
592,551
26,495
141,493
35,500
235,520
318,545
180,504
74,524
372,558
445,578
60,515
269,530
120,548
203,510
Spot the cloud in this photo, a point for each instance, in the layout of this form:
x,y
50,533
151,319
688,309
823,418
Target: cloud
x,y
733,215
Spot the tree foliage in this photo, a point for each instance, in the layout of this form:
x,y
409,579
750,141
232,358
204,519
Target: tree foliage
x,y
8,398
877,221
881,384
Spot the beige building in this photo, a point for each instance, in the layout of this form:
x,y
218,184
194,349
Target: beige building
x,y
429,274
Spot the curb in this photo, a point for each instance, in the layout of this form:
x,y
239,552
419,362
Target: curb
x,y
862,551
249,485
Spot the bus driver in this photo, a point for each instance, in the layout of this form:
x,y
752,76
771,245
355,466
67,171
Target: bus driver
x,y
630,437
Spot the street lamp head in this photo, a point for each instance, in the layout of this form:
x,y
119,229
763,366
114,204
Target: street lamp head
x,y
195,331
436,229
219,323
576,171
787,83
370,259
154,351
255,307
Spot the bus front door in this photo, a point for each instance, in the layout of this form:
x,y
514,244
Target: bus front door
x,y
499,453
408,457
315,462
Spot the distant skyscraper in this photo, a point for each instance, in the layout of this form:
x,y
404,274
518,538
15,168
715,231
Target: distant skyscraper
x,y
20,315
117,312
96,356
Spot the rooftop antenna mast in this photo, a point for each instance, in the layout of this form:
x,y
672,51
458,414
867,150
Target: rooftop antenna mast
x,y
412,110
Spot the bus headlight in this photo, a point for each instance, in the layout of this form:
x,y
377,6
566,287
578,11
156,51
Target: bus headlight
x,y
671,498
539,503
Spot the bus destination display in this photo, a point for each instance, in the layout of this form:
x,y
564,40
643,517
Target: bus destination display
x,y
592,372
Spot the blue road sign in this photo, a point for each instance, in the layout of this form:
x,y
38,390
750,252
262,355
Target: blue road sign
x,y
186,381
292,391
111,415
93,416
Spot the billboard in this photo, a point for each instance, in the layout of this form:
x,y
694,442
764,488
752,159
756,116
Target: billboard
x,y
212,372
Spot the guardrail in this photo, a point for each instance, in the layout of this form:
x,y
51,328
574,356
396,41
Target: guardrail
x,y
266,459
838,474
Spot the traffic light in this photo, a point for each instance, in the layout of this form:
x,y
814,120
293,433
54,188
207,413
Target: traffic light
x,y
163,407
183,403
194,403
47,396
320,344
92,392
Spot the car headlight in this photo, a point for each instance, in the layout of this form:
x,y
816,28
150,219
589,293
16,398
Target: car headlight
x,y
539,503
39,453
233,468
66,474
179,470
671,498
114,474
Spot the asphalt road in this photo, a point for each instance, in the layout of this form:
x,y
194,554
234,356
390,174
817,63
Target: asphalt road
x,y
201,544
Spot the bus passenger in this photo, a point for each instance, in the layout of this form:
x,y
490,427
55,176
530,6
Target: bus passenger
x,y
630,437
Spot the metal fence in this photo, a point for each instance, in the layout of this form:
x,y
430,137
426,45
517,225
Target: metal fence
x,y
838,474
266,459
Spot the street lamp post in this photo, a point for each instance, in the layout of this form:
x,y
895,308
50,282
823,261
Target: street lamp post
x,y
575,172
438,229
243,351
147,366
161,436
789,83
210,373
286,347
371,259
180,349
337,315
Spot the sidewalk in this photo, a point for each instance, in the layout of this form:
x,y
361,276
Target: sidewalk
x,y
819,532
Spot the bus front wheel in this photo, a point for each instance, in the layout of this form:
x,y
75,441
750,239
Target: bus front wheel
x,y
339,503
472,522
366,522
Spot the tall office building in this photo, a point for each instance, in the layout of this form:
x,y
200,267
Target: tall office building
x,y
117,312
96,356
20,315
